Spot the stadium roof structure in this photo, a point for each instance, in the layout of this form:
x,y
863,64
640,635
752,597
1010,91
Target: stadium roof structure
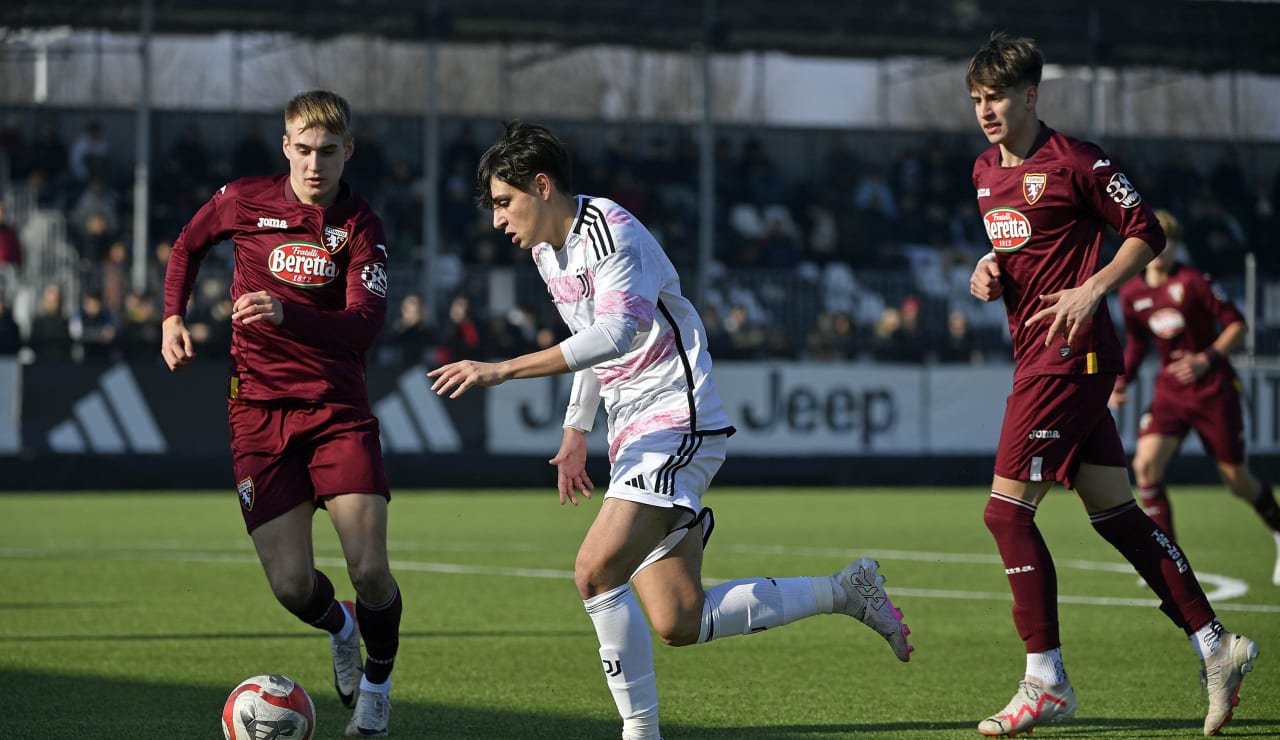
x,y
1197,35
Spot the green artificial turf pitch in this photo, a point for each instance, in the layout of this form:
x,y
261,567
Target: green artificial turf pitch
x,y
133,616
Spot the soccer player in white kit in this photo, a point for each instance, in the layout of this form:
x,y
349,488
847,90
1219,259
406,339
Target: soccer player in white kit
x,y
639,346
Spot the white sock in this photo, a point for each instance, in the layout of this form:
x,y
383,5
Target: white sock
x,y
1208,638
1047,667
383,688
755,604
626,652
348,625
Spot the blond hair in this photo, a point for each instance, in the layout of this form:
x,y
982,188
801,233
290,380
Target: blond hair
x,y
320,108
1169,222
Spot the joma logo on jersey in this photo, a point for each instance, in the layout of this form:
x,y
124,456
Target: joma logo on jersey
x,y
1044,434
1033,185
303,265
272,223
1007,229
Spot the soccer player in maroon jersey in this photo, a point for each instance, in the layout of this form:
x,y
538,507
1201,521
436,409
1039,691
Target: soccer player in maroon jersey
x,y
1047,200
1195,327
310,296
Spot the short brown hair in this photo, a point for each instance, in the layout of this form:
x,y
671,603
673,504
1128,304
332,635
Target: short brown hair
x,y
1005,61
321,108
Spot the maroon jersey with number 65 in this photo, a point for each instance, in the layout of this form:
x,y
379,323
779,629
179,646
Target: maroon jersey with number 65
x,y
326,265
1046,219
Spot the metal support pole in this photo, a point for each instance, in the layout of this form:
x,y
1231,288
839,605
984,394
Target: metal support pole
x,y
142,158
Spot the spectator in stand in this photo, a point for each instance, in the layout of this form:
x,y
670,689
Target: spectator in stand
x,y
251,156
95,220
191,154
10,334
157,267
960,345
1229,183
833,338
14,147
50,337
460,337
10,243
94,330
49,158
891,340
366,172
409,337
90,154
1178,183
1215,239
113,277
402,207
140,331
746,335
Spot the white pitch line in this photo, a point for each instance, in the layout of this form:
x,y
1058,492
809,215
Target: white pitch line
x,y
1225,588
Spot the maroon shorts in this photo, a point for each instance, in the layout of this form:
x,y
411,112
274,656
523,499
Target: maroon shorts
x,y
1052,423
1217,418
284,456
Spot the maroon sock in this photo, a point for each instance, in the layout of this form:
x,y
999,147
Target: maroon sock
x,y
1032,577
1155,502
322,610
1159,561
380,627
1267,508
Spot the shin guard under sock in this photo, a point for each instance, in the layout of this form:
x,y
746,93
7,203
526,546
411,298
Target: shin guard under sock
x,y
1032,577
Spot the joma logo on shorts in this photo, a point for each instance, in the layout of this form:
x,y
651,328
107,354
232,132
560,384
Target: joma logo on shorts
x,y
1044,434
272,223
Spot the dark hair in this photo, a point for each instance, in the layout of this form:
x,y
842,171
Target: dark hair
x,y
522,152
1005,61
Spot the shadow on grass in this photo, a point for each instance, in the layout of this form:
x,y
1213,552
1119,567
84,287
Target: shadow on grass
x,y
69,707
292,635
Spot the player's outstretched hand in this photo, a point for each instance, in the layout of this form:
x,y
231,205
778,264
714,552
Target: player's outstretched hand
x,y
1070,310
985,284
464,375
571,462
175,343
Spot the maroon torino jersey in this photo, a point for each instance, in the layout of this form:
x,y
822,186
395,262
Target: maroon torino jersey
x,y
328,266
1184,315
1046,219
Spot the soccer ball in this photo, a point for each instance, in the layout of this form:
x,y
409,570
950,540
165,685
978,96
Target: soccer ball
x,y
268,707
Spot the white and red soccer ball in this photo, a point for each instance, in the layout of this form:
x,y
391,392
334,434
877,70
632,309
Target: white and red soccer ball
x,y
268,707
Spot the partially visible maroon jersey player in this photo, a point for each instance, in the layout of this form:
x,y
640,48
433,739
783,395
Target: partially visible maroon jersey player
x,y
310,296
1047,201
1195,327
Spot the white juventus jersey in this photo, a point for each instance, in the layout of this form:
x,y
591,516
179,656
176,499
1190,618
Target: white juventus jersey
x,y
611,264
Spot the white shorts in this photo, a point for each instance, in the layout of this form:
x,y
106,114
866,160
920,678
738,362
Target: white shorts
x,y
669,470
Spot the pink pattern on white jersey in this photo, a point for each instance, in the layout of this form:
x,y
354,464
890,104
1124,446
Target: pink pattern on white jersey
x,y
671,420
616,301
661,350
569,288
618,216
